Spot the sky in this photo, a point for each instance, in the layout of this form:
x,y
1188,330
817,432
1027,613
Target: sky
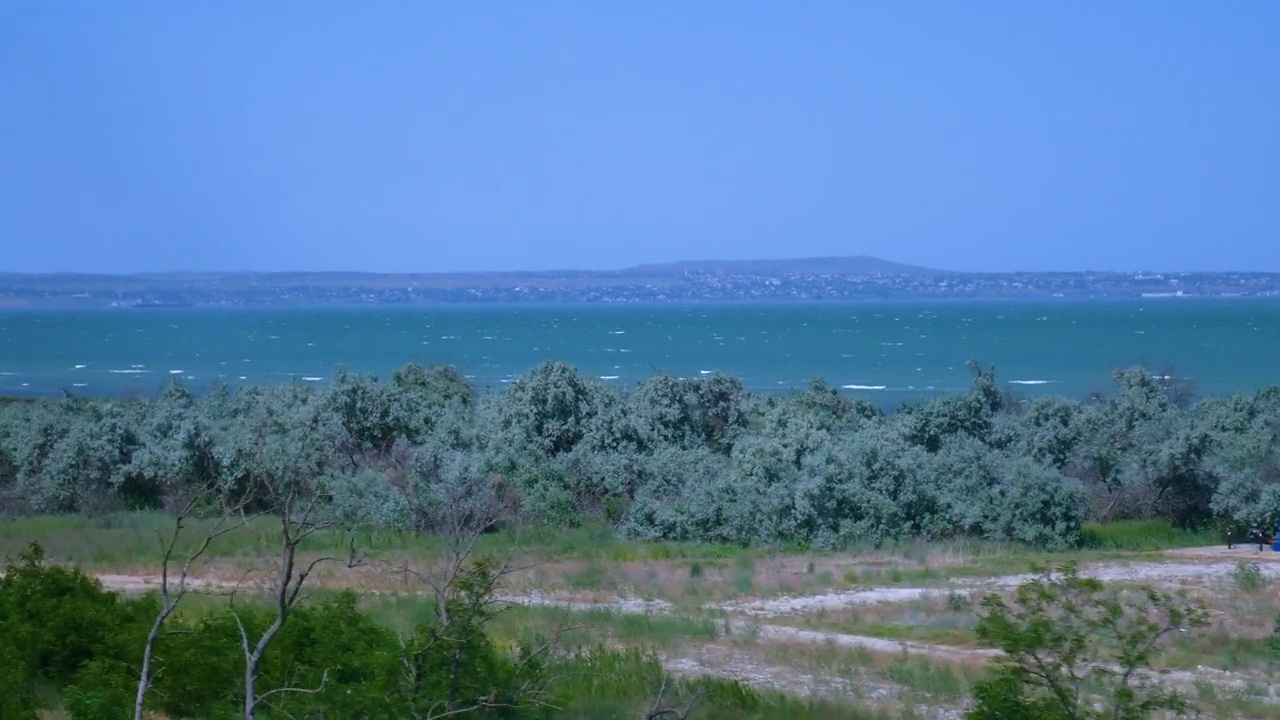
x,y
459,136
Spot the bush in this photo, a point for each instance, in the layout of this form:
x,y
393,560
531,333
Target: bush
x,y
61,629
1248,578
698,459
991,494
1077,650
16,698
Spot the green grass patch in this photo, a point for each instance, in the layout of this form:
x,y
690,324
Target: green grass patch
x,y
928,678
134,538
1225,652
624,686
1144,535
909,623
131,540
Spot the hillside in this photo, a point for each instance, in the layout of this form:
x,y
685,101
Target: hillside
x,y
832,278
848,265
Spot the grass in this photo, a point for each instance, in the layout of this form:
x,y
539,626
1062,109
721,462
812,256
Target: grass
x,y
591,558
588,559
913,674
133,538
932,679
1144,535
1237,638
1224,652
935,634
935,620
1248,578
595,576
623,686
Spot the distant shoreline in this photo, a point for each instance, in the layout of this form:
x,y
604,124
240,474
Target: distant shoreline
x,y
640,303
823,279
292,290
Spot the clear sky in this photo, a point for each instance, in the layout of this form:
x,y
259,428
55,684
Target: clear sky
x,y
439,136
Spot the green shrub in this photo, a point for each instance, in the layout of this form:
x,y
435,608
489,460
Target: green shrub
x,y
699,459
1248,577
1076,649
16,697
59,628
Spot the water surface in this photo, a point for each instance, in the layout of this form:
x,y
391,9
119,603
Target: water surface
x,y
878,349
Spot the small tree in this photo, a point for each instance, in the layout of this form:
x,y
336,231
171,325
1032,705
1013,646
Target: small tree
x,y
456,669
451,666
300,516
1077,650
174,589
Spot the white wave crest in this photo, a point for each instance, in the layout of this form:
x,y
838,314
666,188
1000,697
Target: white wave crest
x,y
865,387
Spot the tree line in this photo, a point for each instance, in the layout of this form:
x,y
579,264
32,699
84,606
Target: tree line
x,y
700,459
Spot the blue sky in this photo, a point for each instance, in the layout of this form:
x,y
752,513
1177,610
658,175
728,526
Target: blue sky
x,y
442,136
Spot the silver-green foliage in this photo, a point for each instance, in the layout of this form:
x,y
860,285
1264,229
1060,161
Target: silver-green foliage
x,y
684,458
1000,496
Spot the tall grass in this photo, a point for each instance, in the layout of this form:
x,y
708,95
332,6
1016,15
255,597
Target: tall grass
x,y
1140,535
133,538
127,540
625,685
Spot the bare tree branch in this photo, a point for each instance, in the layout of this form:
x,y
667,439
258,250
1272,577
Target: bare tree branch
x,y
231,518
324,678
299,520
659,710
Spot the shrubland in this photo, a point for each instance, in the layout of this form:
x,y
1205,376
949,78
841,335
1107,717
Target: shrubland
x,y
699,459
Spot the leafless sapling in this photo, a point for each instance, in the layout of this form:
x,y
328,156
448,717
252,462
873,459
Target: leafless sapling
x,y
301,515
175,580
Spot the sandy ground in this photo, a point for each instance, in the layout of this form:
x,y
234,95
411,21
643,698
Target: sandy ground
x,y
1202,566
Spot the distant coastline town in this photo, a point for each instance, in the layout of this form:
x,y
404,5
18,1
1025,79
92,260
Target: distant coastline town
x,y
835,279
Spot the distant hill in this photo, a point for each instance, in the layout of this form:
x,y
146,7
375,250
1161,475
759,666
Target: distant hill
x,y
850,265
824,278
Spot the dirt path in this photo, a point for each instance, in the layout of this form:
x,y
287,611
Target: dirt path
x,y
1216,568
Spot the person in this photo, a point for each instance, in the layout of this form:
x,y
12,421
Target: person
x,y
1254,537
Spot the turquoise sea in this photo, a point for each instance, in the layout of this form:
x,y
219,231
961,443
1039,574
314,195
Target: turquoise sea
x,y
885,351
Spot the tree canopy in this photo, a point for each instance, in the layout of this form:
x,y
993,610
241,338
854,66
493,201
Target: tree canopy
x,y
692,459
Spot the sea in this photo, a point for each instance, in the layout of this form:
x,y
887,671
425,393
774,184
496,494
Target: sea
x,y
889,352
